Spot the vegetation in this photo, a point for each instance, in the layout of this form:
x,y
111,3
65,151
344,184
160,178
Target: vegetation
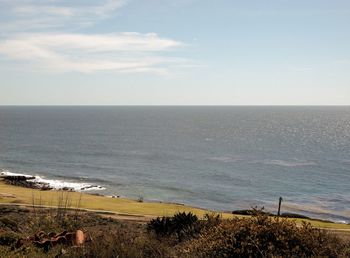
x,y
264,236
182,225
122,206
179,231
181,235
95,202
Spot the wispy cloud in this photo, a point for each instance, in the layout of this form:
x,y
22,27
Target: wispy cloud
x,y
24,15
41,32
123,52
65,8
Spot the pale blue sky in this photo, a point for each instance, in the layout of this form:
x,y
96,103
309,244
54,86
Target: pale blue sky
x,y
168,52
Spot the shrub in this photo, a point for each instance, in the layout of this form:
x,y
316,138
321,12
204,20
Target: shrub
x,y
294,215
211,219
263,236
161,226
183,225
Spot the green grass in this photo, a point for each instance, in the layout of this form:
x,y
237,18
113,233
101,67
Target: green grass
x,y
118,205
94,202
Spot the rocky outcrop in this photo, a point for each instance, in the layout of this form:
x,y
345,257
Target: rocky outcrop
x,y
25,181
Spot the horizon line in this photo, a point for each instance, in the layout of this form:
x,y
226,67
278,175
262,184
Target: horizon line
x,y
170,105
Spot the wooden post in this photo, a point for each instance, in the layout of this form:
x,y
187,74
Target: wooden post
x,y
279,206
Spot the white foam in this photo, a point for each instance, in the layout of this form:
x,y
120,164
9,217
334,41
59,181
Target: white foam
x,y
59,184
289,163
227,159
8,173
56,184
275,162
341,221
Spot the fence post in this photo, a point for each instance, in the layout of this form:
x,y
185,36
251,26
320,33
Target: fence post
x,y
279,206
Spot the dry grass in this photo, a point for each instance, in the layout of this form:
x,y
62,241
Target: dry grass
x,y
122,205
94,202
256,236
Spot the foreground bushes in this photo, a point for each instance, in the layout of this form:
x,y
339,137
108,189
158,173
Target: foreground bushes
x,y
183,235
258,236
263,236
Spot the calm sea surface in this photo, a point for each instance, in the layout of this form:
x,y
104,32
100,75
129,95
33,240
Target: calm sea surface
x,y
222,158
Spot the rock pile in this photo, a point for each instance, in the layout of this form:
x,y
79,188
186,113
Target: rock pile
x,y
25,181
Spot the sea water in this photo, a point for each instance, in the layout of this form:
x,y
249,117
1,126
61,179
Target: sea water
x,y
222,158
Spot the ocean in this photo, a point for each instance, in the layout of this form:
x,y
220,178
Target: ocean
x,y
222,158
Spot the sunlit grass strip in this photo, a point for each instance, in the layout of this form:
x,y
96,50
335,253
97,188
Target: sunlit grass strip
x,y
117,205
94,202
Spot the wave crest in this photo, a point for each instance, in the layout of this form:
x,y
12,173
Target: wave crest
x,y
55,184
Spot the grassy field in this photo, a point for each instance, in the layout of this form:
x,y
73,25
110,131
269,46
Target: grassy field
x,y
121,206
94,202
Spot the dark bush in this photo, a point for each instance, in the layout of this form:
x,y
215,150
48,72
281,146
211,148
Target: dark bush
x,y
183,225
162,226
253,211
294,215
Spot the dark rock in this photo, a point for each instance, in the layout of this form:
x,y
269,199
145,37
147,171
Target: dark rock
x,y
18,178
24,181
250,212
294,216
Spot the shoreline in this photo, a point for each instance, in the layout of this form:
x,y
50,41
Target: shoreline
x,y
17,195
42,184
22,195
32,182
38,182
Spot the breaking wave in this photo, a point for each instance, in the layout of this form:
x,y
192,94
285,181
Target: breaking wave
x,y
55,184
288,163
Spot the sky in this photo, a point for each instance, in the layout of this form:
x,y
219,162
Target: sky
x,y
174,52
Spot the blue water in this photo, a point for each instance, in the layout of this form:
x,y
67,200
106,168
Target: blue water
x,y
222,158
